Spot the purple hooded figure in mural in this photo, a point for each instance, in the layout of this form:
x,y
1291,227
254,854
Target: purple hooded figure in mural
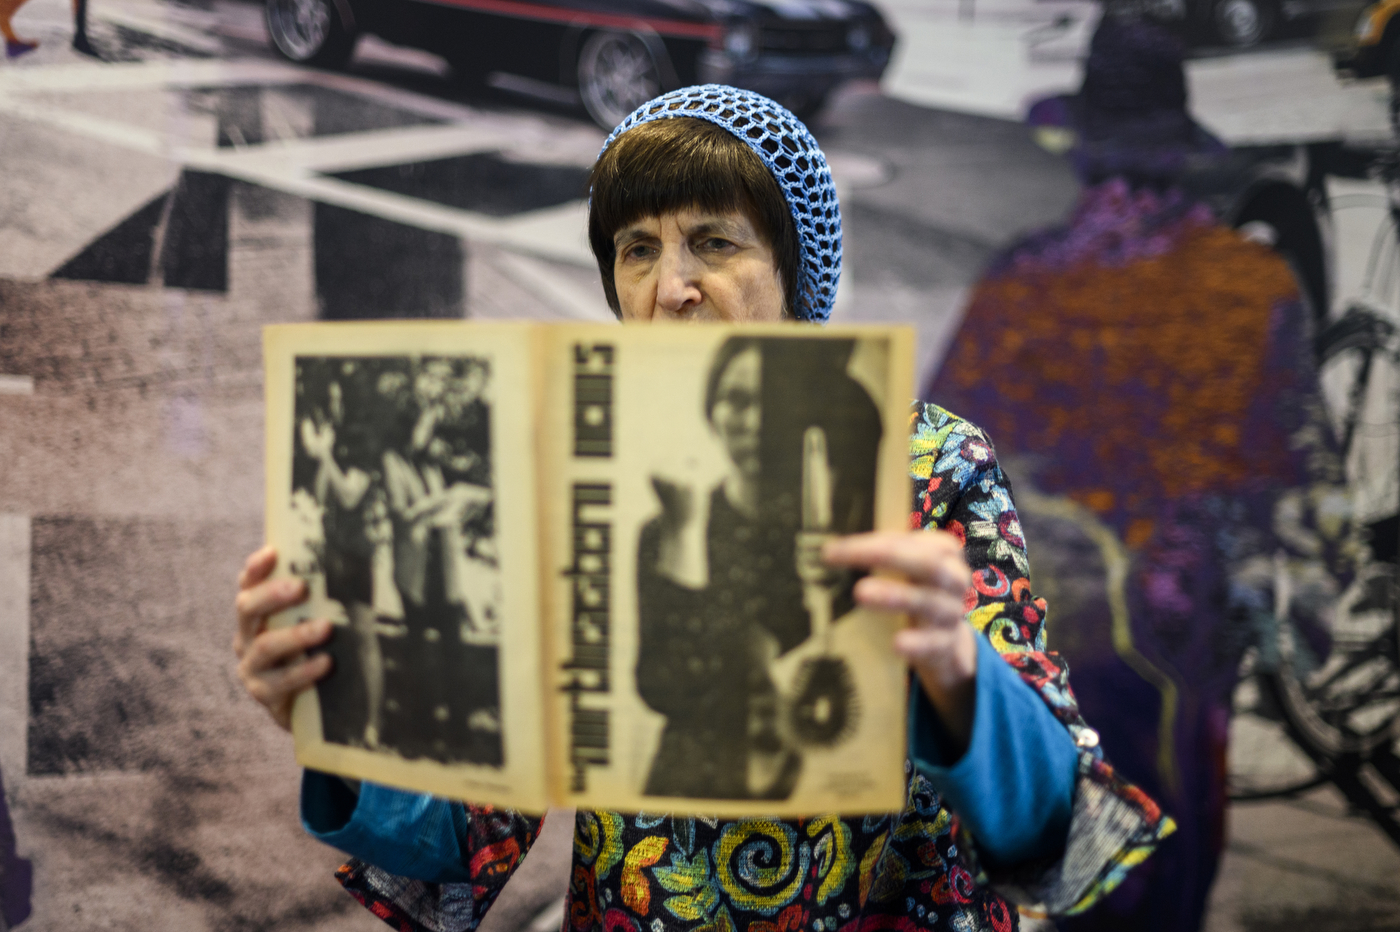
x,y
1150,374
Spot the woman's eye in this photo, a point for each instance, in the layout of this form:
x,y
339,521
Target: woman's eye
x,y
715,242
637,251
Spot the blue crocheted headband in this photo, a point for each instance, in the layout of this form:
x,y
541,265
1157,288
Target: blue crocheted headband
x,y
797,163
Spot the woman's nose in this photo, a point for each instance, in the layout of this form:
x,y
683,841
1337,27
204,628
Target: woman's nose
x,y
678,284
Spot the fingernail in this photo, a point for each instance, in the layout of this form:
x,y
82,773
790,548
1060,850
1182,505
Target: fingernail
x,y
293,586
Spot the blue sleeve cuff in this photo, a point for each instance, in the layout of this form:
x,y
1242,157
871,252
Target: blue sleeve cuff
x,y
1014,785
408,834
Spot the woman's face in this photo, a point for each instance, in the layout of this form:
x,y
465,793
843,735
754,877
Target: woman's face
x,y
696,265
736,416
431,382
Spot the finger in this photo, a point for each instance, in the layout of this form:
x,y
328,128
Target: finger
x,y
946,659
269,597
930,607
865,550
254,605
276,689
259,563
933,557
273,649
924,646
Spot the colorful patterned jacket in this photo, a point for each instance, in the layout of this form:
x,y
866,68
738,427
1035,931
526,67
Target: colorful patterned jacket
x,y
906,871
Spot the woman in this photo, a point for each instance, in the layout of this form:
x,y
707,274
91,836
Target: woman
x,y
437,483
340,459
713,203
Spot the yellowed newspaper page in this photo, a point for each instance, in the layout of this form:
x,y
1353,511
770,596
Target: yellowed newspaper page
x,y
401,486
703,659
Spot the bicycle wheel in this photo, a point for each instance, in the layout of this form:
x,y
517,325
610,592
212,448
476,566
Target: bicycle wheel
x,y
1262,759
1344,698
1336,682
1356,353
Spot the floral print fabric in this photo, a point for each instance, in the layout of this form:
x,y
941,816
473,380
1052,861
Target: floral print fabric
x,y
907,871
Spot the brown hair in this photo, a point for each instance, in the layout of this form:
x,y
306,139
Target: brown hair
x,y
679,163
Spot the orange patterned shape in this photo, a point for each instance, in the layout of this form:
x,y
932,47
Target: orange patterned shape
x,y
636,892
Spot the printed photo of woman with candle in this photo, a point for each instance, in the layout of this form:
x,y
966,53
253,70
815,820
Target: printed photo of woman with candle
x,y
729,581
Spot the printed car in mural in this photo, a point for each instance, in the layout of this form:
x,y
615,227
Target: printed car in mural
x,y
616,54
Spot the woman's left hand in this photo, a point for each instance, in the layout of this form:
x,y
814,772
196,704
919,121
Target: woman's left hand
x,y
925,575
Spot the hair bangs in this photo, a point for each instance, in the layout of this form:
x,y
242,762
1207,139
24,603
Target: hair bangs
x,y
675,170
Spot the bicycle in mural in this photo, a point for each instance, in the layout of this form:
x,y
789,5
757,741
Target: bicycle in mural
x,y
1319,695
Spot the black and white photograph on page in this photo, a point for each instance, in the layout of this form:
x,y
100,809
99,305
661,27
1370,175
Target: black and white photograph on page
x,y
392,486
734,606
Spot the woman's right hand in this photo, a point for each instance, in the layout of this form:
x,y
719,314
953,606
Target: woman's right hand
x,y
271,663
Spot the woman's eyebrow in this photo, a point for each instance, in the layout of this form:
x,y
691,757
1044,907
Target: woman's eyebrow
x,y
630,233
717,227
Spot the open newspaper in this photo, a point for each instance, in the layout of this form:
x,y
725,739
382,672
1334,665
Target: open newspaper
x,y
579,564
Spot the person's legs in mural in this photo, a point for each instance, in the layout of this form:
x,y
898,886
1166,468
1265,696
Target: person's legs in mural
x,y
80,36
16,874
14,45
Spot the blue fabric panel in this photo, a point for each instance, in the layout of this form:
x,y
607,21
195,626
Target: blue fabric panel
x,y
408,834
1014,786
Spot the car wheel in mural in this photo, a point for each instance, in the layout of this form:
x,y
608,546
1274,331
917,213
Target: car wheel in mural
x,y
310,32
1240,23
617,73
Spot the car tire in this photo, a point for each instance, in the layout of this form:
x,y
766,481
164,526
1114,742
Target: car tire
x,y
310,32
617,73
1240,23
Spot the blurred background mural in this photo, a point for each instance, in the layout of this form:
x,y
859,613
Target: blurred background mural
x,y
1152,248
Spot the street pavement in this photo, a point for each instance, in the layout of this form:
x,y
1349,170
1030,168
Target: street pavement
x,y
158,208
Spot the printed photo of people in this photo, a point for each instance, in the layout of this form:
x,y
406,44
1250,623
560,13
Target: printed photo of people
x,y
729,579
392,479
